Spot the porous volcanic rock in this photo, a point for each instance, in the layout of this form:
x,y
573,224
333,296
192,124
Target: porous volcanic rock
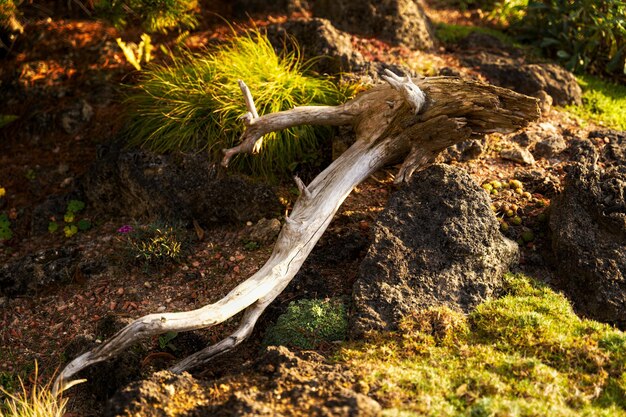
x,y
436,243
532,79
279,383
318,39
588,224
174,187
402,22
34,271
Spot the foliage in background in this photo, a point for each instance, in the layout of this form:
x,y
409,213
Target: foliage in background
x,y
195,103
152,245
526,354
603,102
308,323
154,15
585,35
136,54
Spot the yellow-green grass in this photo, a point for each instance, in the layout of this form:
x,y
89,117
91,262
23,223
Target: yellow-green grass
x,y
526,354
18,400
195,102
604,102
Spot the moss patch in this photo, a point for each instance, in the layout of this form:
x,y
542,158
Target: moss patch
x,y
454,33
308,323
526,354
603,102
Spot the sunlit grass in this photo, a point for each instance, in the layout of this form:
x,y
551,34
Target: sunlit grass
x,y
526,354
36,401
195,102
603,102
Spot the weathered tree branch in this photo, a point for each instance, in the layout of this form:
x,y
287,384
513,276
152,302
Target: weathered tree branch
x,y
414,121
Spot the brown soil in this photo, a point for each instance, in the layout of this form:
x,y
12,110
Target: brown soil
x,y
59,61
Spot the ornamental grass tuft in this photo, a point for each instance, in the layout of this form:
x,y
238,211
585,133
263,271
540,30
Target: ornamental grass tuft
x,y
195,103
35,401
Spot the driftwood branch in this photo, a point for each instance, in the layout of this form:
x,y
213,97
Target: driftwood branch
x,y
401,120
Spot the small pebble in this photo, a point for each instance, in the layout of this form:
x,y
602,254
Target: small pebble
x,y
161,309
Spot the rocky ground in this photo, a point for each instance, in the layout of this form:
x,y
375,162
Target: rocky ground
x,y
504,202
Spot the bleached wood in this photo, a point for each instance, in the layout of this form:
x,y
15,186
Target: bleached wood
x,y
390,126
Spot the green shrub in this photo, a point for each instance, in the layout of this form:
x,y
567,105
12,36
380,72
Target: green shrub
x,y
525,354
154,15
196,103
308,323
583,34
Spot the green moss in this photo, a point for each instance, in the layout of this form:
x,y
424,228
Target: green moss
x,y
454,33
308,323
525,354
196,103
603,102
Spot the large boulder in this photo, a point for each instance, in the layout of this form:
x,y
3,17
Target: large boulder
x,y
436,243
533,79
173,187
588,224
330,49
401,22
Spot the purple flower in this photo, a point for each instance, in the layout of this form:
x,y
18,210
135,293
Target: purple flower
x,y
125,229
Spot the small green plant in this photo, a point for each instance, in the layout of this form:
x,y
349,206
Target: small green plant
x,y
308,323
72,224
525,354
5,119
196,103
603,102
35,401
251,246
136,54
165,341
5,227
152,245
154,15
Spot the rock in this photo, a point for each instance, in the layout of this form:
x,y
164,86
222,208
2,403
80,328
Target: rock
x,y
401,22
549,147
481,41
465,151
541,182
32,272
519,155
614,151
582,150
436,243
243,8
265,231
79,114
532,79
545,102
279,382
174,187
588,224
164,394
318,39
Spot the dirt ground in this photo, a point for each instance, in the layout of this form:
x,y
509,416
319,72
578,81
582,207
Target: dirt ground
x,y
64,58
